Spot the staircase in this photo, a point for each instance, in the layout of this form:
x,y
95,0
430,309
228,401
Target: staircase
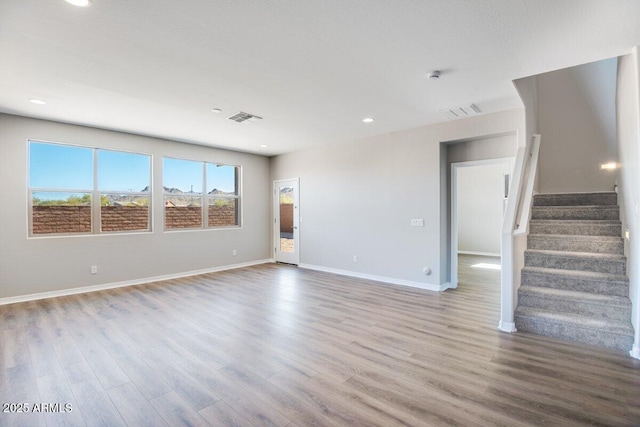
x,y
574,284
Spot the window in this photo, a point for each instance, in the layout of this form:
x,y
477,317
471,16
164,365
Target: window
x,y
223,195
182,193
185,182
123,182
86,190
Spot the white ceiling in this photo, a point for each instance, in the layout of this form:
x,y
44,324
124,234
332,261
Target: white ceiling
x,y
312,69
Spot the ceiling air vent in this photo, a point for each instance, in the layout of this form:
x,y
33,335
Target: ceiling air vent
x,y
241,117
460,112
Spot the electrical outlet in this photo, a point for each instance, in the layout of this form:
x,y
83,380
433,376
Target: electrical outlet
x,y
235,252
355,258
94,269
417,222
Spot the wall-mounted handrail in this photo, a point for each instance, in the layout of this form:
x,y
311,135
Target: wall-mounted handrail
x,y
518,206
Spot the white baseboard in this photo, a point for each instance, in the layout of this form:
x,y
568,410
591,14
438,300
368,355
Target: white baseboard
x,y
491,254
635,351
507,327
390,280
94,288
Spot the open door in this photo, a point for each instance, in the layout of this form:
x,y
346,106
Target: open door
x,y
286,221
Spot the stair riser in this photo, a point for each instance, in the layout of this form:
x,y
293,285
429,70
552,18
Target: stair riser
x,y
573,333
576,213
576,229
575,199
575,263
575,306
593,245
601,287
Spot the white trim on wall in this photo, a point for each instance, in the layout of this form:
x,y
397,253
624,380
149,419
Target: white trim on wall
x,y
105,286
388,280
454,207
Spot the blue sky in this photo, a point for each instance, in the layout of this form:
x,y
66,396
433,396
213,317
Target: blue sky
x,y
68,167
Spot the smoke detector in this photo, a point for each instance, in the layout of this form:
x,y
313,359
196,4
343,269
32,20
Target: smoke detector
x,y
241,117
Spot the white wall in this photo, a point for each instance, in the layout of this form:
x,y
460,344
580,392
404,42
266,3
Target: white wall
x,y
628,124
576,117
358,199
39,265
480,206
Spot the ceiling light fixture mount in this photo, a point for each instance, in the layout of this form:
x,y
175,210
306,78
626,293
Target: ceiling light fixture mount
x,y
368,120
434,75
37,101
216,110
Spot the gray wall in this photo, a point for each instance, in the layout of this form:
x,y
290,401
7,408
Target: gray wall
x,y
480,206
358,198
576,117
55,263
628,109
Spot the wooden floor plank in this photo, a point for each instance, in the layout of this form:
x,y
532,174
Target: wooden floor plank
x,y
176,411
55,389
278,345
15,347
223,415
134,408
96,405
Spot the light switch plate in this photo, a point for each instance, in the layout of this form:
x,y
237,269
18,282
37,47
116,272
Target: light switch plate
x,y
417,222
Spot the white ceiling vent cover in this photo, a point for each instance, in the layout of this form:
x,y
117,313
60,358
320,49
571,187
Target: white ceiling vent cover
x,y
460,112
241,117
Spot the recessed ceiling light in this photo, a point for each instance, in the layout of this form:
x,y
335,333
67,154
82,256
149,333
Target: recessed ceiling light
x,y
216,110
263,145
37,101
80,3
368,119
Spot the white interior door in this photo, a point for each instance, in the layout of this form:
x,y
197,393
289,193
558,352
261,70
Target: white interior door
x,y
286,221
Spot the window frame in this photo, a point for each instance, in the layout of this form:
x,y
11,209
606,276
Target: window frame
x,y
95,193
205,198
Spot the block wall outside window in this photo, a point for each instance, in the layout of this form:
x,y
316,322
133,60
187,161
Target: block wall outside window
x,y
190,185
83,190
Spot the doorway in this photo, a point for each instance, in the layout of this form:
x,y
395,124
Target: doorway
x,y
479,190
286,195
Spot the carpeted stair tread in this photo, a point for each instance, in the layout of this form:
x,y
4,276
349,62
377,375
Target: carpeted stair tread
x,y
580,321
583,275
576,243
582,212
577,221
581,227
576,280
606,198
565,260
566,254
578,237
586,297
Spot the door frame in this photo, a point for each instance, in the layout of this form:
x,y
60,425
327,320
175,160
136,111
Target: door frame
x,y
295,258
454,206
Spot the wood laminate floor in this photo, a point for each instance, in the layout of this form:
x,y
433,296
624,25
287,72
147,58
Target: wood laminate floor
x,y
277,345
